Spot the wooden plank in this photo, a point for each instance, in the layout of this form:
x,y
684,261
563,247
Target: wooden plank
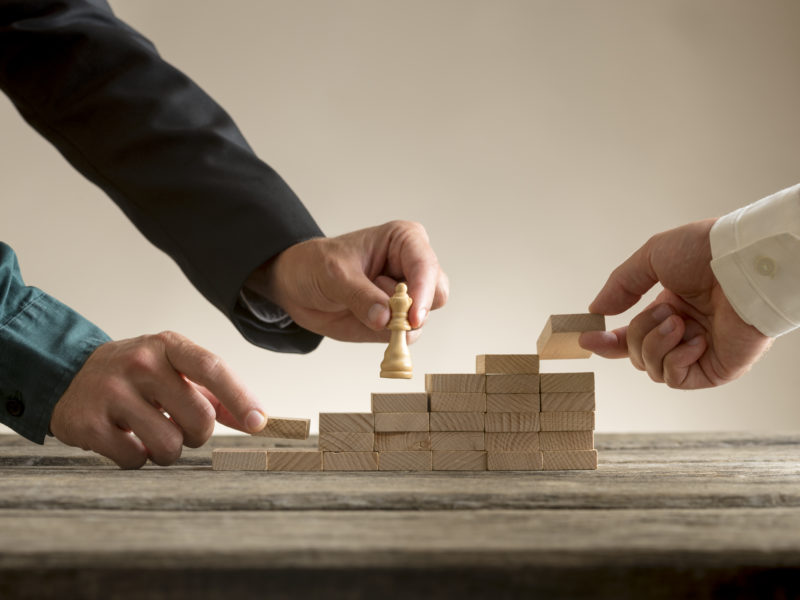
x,y
513,384
403,440
458,402
567,382
459,460
567,421
400,403
514,461
457,440
457,421
294,459
527,421
286,427
347,441
569,460
507,363
239,459
512,402
559,338
355,422
349,461
405,460
402,422
567,401
519,441
566,440
455,382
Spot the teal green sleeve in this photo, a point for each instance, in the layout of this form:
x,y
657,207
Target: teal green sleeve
x,y
43,343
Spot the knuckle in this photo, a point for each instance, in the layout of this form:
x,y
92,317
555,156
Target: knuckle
x,y
167,449
141,360
202,429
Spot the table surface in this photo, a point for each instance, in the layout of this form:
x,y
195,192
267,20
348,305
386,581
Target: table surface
x,y
664,516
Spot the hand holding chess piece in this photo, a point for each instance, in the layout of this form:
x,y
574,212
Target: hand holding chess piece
x,y
397,359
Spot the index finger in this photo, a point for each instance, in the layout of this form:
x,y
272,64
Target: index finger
x,y
627,283
427,283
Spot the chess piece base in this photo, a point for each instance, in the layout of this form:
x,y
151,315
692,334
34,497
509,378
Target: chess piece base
x,y
396,374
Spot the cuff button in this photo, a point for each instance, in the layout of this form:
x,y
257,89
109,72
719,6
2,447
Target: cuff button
x,y
14,406
765,266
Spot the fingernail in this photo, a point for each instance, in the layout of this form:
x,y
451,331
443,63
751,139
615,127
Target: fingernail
x,y
255,420
422,314
378,315
662,312
667,326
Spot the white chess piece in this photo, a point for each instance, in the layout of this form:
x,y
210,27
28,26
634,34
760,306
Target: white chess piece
x,y
397,359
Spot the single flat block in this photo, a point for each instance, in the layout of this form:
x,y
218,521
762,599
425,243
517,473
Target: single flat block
x,y
355,422
403,440
286,427
402,422
458,402
567,382
507,363
567,401
512,403
568,460
347,441
349,461
526,383
527,421
566,440
458,440
457,421
559,338
519,441
405,460
294,459
514,461
455,382
567,421
459,460
400,403
239,459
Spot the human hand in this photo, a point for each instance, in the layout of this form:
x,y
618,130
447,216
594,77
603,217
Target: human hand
x,y
690,337
340,287
146,397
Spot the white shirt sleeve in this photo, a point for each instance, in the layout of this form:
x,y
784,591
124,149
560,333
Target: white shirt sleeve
x,y
756,259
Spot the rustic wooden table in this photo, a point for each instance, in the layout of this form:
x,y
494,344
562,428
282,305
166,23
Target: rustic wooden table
x,y
664,516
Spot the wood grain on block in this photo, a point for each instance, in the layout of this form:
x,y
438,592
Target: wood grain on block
x,y
457,440
568,460
349,461
286,427
566,440
458,402
346,441
567,421
294,459
239,459
402,422
356,422
514,461
526,383
507,363
567,401
457,382
512,403
405,460
567,382
527,421
459,460
403,440
400,403
457,421
559,338
520,441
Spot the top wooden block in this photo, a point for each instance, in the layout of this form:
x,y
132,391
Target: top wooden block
x,y
459,382
508,364
559,338
400,403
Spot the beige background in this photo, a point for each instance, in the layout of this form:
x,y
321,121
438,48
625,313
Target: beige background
x,y
539,142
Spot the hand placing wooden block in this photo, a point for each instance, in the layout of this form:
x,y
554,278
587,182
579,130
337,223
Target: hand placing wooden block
x,y
457,460
239,459
405,461
512,402
567,460
507,363
349,461
294,459
567,421
347,441
514,461
457,382
400,403
357,422
286,427
458,402
457,440
512,421
402,422
567,401
559,338
403,440
567,382
457,421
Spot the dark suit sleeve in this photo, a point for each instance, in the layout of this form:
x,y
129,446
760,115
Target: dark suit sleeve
x,y
161,148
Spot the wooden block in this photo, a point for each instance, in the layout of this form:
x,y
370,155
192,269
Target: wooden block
x,y
404,440
457,421
286,427
457,440
356,422
459,460
402,422
527,421
239,459
400,403
513,384
512,402
567,460
459,382
294,459
507,363
520,441
458,402
567,401
567,421
559,338
405,461
349,461
347,441
567,382
566,440
514,461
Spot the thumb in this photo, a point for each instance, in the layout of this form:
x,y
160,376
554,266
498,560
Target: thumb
x,y
626,284
366,301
